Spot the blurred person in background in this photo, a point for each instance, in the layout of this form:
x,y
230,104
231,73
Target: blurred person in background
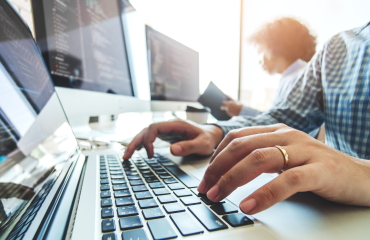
x,y
285,46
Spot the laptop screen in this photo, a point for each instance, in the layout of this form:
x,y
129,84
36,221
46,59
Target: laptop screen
x,y
35,138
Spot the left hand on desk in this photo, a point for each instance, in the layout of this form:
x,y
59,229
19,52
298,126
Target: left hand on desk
x,y
313,166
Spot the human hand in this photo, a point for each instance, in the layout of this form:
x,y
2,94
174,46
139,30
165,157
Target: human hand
x,y
231,107
313,166
186,137
10,190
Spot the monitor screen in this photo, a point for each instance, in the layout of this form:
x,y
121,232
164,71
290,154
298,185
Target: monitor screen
x,y
83,44
173,68
35,138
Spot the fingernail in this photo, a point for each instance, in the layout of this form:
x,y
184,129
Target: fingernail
x,y
213,193
202,186
176,149
248,205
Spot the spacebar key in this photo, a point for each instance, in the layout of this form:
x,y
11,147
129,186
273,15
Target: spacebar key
x,y
186,179
207,218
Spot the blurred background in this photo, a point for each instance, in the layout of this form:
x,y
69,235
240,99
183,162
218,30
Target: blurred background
x,y
218,29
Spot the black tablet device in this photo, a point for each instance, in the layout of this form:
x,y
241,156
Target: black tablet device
x,y
213,98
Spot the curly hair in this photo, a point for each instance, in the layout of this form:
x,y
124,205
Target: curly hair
x,y
287,38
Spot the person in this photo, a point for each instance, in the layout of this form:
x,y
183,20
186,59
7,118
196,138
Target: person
x,y
285,46
333,87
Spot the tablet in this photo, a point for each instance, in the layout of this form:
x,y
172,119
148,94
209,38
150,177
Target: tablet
x,y
213,98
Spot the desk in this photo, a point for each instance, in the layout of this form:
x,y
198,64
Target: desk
x,y
302,216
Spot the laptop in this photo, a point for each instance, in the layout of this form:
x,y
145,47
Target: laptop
x,y
49,189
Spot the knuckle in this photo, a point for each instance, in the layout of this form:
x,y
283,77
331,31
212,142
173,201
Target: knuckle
x,y
258,157
229,179
268,194
235,145
281,125
295,177
232,135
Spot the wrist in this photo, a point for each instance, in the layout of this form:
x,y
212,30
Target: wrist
x,y
215,133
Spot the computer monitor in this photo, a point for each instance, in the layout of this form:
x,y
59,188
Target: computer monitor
x,y
173,72
94,62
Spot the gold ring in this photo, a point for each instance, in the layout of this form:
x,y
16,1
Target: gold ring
x,y
285,154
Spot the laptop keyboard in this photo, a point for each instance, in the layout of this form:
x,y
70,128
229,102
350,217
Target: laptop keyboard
x,y
153,192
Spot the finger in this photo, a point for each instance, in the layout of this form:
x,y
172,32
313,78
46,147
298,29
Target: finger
x,y
265,160
298,179
233,153
188,147
134,144
242,133
175,127
226,102
223,107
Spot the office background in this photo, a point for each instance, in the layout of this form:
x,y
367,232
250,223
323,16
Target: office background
x,y
213,27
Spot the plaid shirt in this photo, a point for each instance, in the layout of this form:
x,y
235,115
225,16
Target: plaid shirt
x,y
335,88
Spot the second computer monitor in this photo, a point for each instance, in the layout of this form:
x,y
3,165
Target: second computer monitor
x,y
173,72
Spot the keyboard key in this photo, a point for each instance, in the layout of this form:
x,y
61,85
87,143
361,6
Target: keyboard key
x,y
170,180
167,199
103,176
156,185
152,213
186,179
207,218
151,179
195,191
182,193
161,191
125,201
136,182
189,201
108,225
161,229
120,187
132,173
143,195
175,186
139,188
137,177
122,193
138,234
173,208
237,219
148,175
109,236
116,176
130,223
118,181
116,172
105,194
186,224
224,208
106,202
148,203
103,172
114,168
107,213
104,187
146,172
127,211
159,172
103,181
209,202
164,176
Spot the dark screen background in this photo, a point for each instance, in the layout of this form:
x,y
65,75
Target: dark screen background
x,y
173,68
85,45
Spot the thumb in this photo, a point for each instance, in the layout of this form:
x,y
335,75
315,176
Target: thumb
x,y
194,146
